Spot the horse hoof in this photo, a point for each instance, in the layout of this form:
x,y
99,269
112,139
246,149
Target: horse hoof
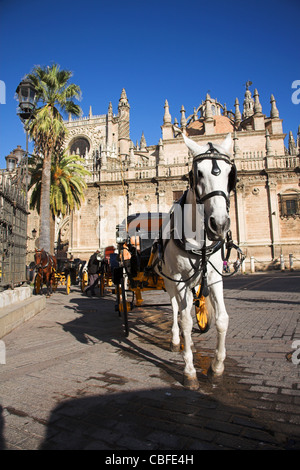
x,y
190,382
175,347
217,369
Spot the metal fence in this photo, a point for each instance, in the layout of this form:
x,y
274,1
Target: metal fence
x,y
13,232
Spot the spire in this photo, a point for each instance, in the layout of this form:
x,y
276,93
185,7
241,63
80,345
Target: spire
x,y
110,110
183,118
167,116
208,111
292,145
238,116
90,112
143,144
248,104
298,139
123,101
257,105
124,124
274,110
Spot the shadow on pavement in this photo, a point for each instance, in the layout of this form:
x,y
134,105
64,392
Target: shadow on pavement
x,y
170,418
2,443
157,419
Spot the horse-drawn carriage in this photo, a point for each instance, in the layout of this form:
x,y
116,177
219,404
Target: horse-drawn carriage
x,y
136,239
54,273
187,260
107,265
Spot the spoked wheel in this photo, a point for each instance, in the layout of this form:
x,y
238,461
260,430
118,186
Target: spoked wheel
x,y
202,315
123,305
54,283
84,281
37,284
68,284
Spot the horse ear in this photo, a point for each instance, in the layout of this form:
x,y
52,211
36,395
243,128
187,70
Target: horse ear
x,y
226,144
193,147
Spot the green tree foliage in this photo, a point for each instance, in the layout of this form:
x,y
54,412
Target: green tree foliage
x,y
67,183
56,96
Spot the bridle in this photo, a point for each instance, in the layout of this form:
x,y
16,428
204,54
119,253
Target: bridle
x,y
213,154
49,260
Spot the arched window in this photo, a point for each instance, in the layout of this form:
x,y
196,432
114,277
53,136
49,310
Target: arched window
x,y
80,146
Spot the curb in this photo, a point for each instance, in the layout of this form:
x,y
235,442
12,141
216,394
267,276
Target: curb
x,y
13,316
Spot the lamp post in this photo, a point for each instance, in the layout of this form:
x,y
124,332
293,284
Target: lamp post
x,y
26,95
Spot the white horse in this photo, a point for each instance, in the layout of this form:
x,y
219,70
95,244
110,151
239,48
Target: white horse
x,y
187,261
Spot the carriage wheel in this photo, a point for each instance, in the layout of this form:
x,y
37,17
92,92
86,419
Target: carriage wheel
x,y
68,284
123,307
84,280
37,284
202,316
54,283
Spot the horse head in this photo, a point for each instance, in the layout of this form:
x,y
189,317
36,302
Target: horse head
x,y
212,178
38,256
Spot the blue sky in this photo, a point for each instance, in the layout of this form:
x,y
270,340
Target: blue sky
x,y
158,50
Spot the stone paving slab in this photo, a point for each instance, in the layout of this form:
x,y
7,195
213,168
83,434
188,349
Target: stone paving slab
x,y
72,380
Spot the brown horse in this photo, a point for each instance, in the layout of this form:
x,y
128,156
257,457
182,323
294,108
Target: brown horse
x,y
46,265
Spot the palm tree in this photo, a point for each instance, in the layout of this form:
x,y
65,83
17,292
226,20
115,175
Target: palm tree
x,y
67,183
47,129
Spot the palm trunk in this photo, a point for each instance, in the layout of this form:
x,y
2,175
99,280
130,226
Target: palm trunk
x,y
45,214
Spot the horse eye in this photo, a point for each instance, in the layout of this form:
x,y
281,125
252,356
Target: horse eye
x,y
200,174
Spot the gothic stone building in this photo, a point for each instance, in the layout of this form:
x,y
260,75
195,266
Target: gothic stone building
x,y
127,178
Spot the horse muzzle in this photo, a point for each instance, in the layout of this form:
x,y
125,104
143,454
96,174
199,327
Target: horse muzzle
x,y
216,229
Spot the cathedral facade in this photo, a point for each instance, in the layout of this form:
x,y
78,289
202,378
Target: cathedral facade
x,y
126,178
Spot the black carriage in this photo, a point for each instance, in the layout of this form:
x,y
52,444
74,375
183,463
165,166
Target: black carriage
x,y
67,273
133,272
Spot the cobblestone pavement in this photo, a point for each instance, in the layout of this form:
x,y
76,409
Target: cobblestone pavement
x,y
73,381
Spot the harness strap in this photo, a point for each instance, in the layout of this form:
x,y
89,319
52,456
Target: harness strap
x,y
200,200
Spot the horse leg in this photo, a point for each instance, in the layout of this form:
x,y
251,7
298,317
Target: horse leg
x,y
185,305
217,301
175,343
48,281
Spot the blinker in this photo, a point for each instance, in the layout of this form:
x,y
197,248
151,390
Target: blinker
x,y
215,168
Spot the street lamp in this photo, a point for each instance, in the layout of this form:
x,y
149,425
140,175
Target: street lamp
x,y
26,95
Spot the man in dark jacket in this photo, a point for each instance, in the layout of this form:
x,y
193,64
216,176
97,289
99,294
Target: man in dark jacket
x,y
93,272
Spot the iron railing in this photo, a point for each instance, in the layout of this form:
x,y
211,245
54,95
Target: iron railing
x,y
13,232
